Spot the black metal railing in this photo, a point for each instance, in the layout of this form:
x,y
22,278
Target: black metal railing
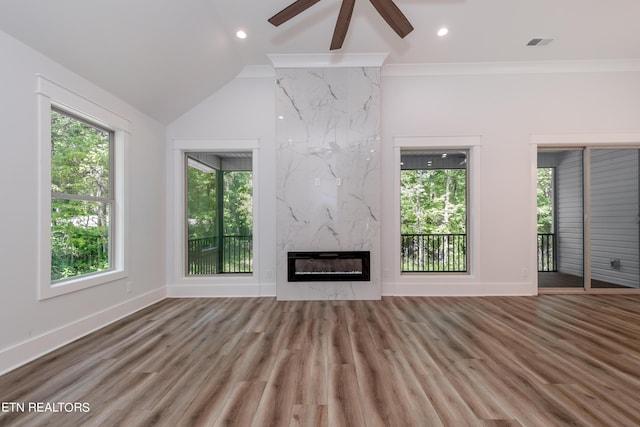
x,y
419,253
205,256
238,254
202,256
434,253
547,258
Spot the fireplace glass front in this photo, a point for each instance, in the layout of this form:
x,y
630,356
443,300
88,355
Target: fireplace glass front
x,y
328,266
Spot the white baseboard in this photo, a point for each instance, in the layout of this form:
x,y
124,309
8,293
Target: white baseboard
x,y
268,290
461,289
25,352
221,291
388,289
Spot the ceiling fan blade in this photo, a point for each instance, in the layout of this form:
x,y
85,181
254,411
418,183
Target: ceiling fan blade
x,y
290,11
394,16
342,24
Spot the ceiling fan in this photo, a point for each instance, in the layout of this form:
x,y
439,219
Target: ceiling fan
x,y
386,8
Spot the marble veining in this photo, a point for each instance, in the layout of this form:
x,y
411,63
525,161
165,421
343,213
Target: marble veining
x,y
328,180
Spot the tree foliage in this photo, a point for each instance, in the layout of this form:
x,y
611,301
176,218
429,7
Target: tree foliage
x,y
203,206
545,200
80,162
433,201
238,219
220,221
202,201
433,214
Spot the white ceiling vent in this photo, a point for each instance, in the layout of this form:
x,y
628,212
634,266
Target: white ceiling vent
x,y
539,42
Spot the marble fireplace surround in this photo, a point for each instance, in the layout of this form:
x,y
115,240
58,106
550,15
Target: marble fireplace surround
x,y
328,169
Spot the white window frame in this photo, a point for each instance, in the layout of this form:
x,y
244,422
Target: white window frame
x,y
52,95
431,151
586,142
228,284
186,208
471,144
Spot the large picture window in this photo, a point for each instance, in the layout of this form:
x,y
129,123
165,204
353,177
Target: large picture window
x,y
81,197
83,219
433,211
219,213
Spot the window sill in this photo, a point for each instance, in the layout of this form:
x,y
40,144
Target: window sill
x,y
50,290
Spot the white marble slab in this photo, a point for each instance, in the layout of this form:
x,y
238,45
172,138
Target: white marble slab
x,y
328,180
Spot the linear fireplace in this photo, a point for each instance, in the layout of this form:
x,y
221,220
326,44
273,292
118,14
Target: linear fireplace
x,y
329,266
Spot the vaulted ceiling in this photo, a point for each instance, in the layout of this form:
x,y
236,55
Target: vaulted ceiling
x,y
165,56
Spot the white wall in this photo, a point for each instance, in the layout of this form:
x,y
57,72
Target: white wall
x,y
503,111
31,327
243,110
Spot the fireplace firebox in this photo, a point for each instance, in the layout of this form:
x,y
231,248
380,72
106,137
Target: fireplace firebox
x,y
332,266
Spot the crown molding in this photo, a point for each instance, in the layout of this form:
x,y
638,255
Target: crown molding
x,y
580,139
327,60
438,69
520,67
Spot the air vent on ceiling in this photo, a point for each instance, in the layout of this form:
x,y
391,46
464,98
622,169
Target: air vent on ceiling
x,y
539,42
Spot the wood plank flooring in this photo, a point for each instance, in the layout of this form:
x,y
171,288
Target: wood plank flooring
x,y
552,360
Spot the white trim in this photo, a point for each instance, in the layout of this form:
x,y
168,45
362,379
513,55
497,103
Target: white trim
x,y
453,283
533,216
442,69
436,142
584,139
221,291
80,105
50,94
463,289
215,285
521,67
327,60
221,145
24,352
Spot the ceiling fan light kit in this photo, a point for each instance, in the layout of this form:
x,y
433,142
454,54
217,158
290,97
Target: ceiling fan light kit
x,y
386,8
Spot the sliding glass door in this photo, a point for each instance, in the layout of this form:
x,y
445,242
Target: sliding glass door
x,y
560,219
588,218
614,237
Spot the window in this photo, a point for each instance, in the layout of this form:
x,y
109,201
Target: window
x,y
546,219
433,211
81,197
219,213
83,215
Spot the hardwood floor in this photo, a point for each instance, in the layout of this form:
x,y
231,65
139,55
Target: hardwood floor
x,y
553,360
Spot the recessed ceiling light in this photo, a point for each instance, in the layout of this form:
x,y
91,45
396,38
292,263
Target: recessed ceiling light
x,y
443,31
241,34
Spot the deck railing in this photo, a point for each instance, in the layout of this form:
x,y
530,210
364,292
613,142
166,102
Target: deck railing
x,y
448,252
205,256
547,255
434,253
445,253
